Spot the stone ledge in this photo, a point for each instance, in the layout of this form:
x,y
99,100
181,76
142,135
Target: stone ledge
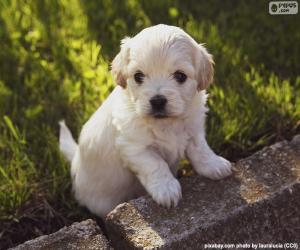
x,y
81,235
259,203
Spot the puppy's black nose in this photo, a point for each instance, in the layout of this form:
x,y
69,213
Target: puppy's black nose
x,y
158,102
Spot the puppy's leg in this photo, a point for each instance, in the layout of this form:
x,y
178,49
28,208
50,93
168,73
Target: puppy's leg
x,y
205,161
153,173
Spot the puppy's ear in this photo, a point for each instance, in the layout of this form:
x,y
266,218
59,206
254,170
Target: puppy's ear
x,y
205,69
120,62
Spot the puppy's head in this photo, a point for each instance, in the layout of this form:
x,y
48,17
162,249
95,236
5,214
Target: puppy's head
x,y
162,68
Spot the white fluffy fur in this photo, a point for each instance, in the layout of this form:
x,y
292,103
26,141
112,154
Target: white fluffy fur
x,y
123,150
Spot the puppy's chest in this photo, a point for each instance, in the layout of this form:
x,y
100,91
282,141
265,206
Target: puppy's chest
x,y
170,143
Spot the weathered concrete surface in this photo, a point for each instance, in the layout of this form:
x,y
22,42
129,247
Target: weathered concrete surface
x,y
260,203
81,235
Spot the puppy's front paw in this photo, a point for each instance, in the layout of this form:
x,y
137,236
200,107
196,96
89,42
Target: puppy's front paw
x,y
215,168
166,192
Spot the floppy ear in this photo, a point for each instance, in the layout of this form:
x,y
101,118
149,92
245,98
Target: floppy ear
x,y
120,62
205,69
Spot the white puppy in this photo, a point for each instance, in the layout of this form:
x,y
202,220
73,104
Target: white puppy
x,y
149,122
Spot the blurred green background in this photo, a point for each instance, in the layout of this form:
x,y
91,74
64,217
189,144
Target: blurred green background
x,y
54,63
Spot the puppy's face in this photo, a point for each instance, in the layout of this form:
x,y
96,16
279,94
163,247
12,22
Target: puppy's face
x,y
162,68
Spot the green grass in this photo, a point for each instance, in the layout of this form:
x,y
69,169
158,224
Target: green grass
x,y
54,64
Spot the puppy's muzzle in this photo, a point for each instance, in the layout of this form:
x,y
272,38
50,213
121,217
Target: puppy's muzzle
x,y
158,105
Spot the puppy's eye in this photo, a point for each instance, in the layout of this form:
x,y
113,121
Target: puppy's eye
x,y
180,76
139,77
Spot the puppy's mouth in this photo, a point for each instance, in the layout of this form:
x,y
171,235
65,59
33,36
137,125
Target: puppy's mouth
x,y
159,114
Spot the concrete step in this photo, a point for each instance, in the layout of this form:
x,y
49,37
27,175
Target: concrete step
x,y
80,235
260,203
